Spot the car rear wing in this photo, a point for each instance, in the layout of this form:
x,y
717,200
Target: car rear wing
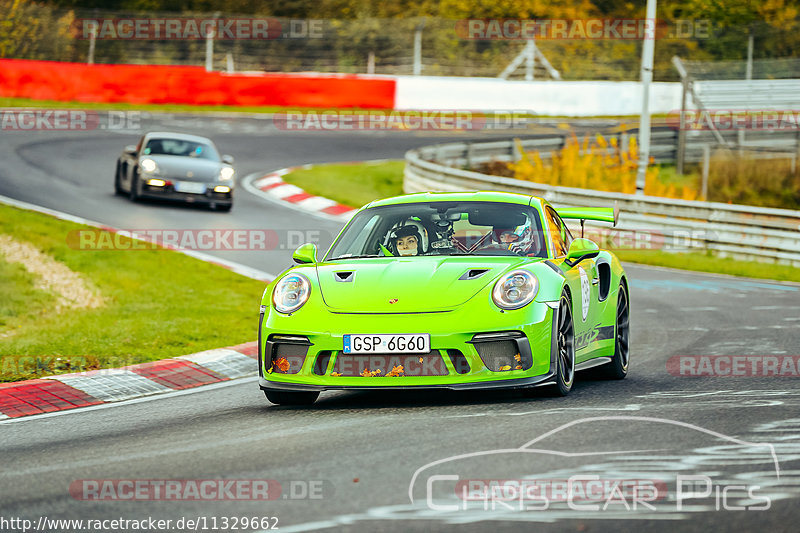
x,y
601,214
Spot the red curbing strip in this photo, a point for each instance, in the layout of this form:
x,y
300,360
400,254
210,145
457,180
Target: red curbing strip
x,y
299,197
272,185
176,374
41,396
37,396
250,349
337,209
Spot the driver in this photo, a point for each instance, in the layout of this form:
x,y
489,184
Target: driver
x,y
406,241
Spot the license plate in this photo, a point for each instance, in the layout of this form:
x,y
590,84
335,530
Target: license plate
x,y
388,343
190,187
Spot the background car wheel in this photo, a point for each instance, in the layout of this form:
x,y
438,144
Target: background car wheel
x,y
134,193
291,398
565,348
224,208
117,188
618,367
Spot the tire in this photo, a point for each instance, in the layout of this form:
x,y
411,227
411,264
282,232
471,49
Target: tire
x,y
117,188
565,348
291,398
134,192
618,367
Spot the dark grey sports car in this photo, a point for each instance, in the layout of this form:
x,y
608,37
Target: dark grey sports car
x,y
176,166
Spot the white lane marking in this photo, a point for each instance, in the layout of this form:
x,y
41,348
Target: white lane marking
x,y
791,318
629,407
774,307
267,180
282,191
700,309
171,394
229,363
239,268
3,417
112,385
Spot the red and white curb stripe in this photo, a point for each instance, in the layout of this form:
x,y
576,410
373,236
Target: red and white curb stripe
x,y
272,187
69,391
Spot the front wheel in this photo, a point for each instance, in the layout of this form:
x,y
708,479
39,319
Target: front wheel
x,y
291,397
618,367
134,192
565,348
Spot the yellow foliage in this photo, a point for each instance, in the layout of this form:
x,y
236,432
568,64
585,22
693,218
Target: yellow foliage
x,y
601,165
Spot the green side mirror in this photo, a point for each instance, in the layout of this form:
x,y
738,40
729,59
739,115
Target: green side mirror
x,y
307,253
581,249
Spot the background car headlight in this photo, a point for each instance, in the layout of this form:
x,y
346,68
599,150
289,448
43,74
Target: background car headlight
x,y
148,165
226,173
291,293
515,289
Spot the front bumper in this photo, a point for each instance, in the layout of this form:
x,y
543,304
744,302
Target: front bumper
x,y
466,352
168,192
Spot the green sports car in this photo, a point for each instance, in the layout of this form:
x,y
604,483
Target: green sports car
x,y
446,290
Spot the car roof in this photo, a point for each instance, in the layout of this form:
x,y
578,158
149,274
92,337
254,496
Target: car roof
x,y
473,196
178,136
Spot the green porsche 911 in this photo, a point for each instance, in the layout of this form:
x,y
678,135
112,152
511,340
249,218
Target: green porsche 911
x,y
446,290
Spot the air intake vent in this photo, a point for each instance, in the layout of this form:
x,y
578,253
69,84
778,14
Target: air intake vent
x,y
344,276
474,273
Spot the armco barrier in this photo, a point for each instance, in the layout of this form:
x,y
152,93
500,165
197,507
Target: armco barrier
x,y
753,233
154,84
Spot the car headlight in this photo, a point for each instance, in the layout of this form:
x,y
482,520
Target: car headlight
x,y
226,173
148,165
515,289
291,293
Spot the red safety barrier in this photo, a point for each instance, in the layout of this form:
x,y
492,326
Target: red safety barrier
x,y
156,84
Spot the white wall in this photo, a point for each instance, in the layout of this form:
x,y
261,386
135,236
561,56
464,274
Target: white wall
x,y
563,98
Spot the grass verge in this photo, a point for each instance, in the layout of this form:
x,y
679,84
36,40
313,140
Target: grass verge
x,y
356,184
158,304
353,184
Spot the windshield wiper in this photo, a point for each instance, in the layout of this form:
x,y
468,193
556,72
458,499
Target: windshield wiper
x,y
353,257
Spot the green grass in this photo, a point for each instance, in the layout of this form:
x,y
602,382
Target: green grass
x,y
357,184
351,184
158,304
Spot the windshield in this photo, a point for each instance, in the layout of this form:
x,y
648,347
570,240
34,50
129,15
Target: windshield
x,y
443,228
180,148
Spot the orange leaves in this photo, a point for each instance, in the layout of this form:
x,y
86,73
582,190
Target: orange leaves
x,y
518,357
505,367
421,360
370,374
281,364
518,367
396,371
598,163
335,374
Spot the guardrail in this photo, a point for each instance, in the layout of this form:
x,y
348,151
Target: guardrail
x,y
744,232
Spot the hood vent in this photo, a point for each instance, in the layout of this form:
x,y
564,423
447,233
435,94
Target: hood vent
x,y
474,273
344,277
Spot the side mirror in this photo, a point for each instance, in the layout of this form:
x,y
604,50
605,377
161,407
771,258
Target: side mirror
x,y
227,159
307,253
581,249
130,149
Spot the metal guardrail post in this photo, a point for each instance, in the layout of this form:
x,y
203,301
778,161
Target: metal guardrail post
x,y
706,165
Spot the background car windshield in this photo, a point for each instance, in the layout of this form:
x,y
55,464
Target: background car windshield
x,y
443,228
181,148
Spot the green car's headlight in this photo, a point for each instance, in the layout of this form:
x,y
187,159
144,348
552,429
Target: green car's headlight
x,y
514,290
291,293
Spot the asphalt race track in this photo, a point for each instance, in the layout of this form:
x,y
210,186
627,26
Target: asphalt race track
x,y
387,461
